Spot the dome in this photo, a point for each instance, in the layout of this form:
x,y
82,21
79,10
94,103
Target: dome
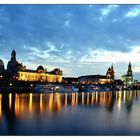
x,y
40,68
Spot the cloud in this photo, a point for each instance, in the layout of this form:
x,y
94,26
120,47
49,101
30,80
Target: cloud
x,y
50,54
108,9
42,36
101,56
67,23
133,12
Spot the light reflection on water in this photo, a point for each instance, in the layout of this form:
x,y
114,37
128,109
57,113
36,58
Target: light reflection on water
x,y
70,114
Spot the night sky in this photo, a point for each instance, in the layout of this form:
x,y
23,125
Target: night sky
x,y
79,39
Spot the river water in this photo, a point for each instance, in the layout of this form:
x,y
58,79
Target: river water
x,y
104,113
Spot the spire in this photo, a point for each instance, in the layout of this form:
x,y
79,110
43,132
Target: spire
x,y
13,55
112,67
129,71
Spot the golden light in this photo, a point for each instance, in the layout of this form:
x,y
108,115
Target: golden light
x,y
96,97
66,100
119,100
109,99
57,102
41,106
50,101
10,101
101,99
124,96
82,98
30,102
17,109
43,77
76,99
88,98
92,99
73,99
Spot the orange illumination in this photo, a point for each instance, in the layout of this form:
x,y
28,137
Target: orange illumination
x,y
87,98
82,98
73,99
17,110
30,102
66,100
96,98
58,102
76,98
41,102
50,101
10,101
119,100
92,99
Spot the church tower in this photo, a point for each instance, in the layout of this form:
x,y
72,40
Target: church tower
x,y
13,55
129,71
12,65
110,72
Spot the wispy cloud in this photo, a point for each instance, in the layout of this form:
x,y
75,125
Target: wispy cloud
x,y
48,53
101,55
58,40
133,12
108,9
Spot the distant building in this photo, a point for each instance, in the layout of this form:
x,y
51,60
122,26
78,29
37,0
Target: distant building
x,y
70,80
1,69
98,79
17,71
128,78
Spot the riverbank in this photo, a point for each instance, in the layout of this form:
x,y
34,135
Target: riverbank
x,y
10,86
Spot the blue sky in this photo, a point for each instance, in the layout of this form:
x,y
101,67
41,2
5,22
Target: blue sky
x,y
79,39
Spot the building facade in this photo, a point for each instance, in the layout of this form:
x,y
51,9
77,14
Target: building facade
x,y
128,78
98,79
17,71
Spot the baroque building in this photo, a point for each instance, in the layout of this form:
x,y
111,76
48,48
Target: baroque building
x,y
17,71
128,78
110,72
98,79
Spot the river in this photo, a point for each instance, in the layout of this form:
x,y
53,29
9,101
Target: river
x,y
104,113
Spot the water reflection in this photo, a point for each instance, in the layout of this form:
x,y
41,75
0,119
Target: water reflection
x,y
19,104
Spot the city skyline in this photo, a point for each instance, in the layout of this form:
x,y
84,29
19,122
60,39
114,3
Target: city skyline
x,y
80,39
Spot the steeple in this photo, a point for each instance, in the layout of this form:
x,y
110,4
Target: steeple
x,y
129,71
13,55
112,67
110,72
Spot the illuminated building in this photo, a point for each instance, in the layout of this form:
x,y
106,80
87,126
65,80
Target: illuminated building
x,y
17,71
98,79
110,72
128,78
70,80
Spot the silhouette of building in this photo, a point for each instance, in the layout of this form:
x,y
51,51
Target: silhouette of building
x,y
98,79
128,78
17,71
1,69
